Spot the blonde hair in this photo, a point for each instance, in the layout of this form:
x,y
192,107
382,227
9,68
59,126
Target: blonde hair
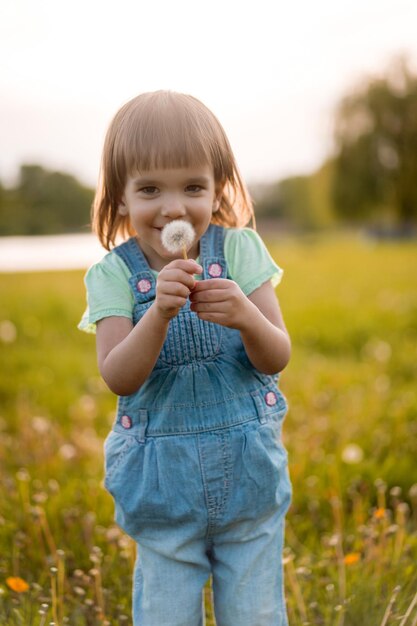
x,y
165,129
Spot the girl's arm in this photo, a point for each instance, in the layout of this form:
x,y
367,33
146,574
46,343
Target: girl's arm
x,y
265,337
257,316
127,354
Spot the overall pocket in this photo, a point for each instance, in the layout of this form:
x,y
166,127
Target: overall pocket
x,y
261,473
117,449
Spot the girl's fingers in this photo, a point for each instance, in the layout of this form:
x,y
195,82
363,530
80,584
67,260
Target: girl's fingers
x,y
185,265
215,295
174,289
213,283
176,276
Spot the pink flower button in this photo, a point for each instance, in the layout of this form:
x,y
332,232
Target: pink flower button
x,y
215,270
126,421
271,398
144,285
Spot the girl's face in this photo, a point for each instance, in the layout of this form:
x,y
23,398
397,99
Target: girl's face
x,y
153,198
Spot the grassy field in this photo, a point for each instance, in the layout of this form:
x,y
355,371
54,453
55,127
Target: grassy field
x,y
351,434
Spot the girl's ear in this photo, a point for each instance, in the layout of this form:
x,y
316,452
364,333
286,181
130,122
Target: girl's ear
x,y
216,205
218,198
122,208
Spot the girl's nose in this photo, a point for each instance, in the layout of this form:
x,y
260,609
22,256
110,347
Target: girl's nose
x,y
173,207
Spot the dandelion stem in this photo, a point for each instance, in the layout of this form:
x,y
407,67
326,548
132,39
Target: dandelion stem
x,y
414,620
99,591
409,610
47,532
401,534
54,599
293,582
61,581
338,518
390,605
184,252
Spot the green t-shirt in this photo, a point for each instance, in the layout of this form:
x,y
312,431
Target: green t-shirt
x,y
108,291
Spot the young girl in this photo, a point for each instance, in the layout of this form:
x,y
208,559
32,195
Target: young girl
x,y
193,348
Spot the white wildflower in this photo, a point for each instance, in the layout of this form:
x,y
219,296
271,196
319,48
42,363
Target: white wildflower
x,y
177,235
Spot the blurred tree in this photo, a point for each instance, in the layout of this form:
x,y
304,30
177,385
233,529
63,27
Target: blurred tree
x,y
375,167
44,202
287,200
300,201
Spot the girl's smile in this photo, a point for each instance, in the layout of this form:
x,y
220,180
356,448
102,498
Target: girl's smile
x,y
153,198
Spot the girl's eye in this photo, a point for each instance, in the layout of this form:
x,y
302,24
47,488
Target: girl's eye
x,y
194,188
149,190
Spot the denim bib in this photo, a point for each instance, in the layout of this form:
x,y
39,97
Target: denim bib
x,y
203,379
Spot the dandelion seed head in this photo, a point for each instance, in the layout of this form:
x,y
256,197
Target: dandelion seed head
x,y
352,454
40,498
23,475
413,491
40,424
380,485
8,332
176,235
67,451
79,591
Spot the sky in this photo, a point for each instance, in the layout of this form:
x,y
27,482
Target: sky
x,y
272,72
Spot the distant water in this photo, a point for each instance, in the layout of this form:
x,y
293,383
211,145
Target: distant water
x,y
49,252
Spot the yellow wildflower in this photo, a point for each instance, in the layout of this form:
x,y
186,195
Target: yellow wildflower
x,y
352,558
17,584
379,513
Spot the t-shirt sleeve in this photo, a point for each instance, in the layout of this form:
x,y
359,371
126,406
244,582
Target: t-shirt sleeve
x,y
248,260
108,292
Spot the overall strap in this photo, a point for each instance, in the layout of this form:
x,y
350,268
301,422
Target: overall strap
x,y
132,255
142,281
212,256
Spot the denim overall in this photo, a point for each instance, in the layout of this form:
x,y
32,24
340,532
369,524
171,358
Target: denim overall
x,y
197,469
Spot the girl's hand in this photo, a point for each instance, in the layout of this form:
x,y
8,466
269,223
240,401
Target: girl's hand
x,y
257,316
222,301
173,286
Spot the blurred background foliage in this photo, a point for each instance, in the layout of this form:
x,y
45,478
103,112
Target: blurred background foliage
x,y
370,177
367,180
44,203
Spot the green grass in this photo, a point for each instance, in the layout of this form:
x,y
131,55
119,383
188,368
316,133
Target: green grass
x,y
351,433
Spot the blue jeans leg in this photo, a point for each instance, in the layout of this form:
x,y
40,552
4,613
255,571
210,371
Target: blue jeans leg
x,y
168,585
247,575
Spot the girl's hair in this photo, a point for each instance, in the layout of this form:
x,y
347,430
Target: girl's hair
x,y
164,129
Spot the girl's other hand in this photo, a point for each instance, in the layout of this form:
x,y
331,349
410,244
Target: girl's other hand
x,y
173,286
257,316
222,301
